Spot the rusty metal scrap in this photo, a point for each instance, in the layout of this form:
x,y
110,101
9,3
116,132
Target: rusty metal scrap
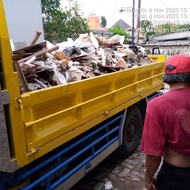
x,y
58,65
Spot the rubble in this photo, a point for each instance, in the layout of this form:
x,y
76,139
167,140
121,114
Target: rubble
x,y
108,185
44,65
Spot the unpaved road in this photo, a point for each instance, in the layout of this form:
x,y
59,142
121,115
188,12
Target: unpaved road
x,y
116,173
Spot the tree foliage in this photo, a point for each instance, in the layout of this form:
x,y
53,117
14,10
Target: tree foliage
x,y
184,26
146,27
164,28
149,34
61,24
103,21
170,27
118,30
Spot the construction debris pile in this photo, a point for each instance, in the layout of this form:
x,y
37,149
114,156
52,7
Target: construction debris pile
x,y
43,65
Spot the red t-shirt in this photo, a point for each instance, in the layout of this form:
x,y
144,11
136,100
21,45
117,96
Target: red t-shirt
x,y
167,122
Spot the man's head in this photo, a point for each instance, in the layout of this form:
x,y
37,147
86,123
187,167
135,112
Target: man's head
x,y
177,69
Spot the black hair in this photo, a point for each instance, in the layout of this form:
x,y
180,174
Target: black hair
x,y
177,78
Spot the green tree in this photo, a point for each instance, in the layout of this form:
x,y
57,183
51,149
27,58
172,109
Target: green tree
x,y
60,24
118,30
184,26
103,21
146,26
149,34
165,28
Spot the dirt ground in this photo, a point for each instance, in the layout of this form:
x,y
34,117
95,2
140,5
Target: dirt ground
x,y
128,173
116,173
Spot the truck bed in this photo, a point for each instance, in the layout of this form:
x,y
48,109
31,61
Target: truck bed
x,y
36,122
45,119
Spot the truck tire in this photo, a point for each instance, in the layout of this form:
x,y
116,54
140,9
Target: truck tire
x,y
131,132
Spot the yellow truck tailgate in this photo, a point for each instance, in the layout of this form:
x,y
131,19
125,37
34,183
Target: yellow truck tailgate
x,y
52,116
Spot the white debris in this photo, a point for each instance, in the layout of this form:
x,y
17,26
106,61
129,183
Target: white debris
x,y
108,185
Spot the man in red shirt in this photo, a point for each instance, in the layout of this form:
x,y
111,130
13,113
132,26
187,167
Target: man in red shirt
x,y
166,132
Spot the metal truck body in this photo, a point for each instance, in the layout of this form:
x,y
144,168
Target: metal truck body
x,y
53,137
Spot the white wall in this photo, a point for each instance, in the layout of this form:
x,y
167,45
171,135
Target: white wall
x,y
24,18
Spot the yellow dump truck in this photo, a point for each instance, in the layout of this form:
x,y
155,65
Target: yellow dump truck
x,y
51,138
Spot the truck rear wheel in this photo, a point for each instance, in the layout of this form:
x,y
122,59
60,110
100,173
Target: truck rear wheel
x,y
131,132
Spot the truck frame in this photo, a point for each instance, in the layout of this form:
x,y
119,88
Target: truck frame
x,y
51,138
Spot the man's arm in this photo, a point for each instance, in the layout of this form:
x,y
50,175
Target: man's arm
x,y
152,164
